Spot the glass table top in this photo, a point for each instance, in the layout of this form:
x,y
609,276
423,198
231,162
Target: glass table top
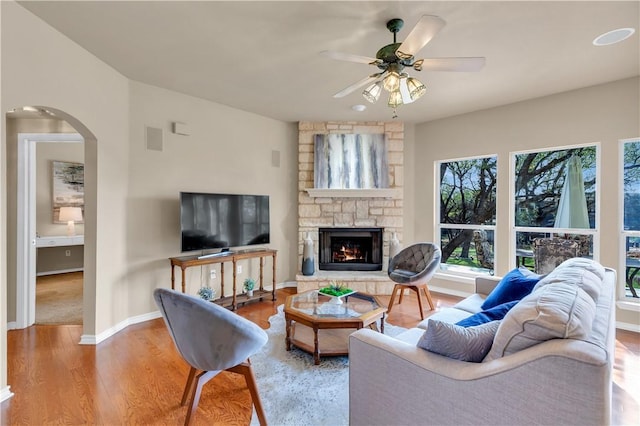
x,y
318,305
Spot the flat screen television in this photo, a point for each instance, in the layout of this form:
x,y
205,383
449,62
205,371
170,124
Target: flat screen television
x,y
222,221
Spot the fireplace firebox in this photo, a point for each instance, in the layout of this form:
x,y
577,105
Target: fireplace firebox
x,y
350,249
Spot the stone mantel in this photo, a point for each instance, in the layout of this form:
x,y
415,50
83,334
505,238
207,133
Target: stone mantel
x,y
391,193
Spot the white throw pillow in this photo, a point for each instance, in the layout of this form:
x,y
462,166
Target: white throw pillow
x,y
555,311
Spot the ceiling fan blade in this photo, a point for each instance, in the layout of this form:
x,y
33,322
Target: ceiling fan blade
x,y
426,28
355,86
453,64
349,57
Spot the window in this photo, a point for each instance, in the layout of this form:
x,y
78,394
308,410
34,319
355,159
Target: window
x,y
555,196
631,218
467,212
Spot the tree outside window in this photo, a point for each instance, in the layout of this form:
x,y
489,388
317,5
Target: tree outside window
x,y
631,229
467,202
540,179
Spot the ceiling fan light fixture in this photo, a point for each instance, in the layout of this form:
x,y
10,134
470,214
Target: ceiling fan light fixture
x,y
391,82
416,88
372,93
404,90
395,99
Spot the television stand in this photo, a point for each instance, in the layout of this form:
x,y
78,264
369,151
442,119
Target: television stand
x,y
232,301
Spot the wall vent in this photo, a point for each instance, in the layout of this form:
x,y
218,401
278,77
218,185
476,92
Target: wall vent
x,y
153,136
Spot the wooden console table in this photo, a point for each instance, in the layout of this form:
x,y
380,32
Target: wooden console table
x,y
232,301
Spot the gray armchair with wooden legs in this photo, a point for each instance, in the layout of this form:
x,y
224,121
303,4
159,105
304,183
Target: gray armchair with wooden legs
x,y
211,339
411,269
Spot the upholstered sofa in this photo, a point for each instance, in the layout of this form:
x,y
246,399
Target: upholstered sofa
x,y
392,381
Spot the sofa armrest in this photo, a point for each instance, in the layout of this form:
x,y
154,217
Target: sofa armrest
x,y
486,283
393,382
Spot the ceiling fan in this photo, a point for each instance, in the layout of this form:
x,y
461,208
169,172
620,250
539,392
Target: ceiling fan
x,y
393,58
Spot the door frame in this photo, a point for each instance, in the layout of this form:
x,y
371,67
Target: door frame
x,y
26,221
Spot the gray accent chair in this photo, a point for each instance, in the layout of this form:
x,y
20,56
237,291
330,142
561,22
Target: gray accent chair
x,y
411,269
211,339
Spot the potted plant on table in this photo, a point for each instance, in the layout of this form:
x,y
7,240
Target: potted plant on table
x,y
249,285
207,293
336,291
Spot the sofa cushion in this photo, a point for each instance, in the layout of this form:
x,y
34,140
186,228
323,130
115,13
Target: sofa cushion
x,y
450,315
555,311
584,273
463,343
471,304
410,336
494,314
513,286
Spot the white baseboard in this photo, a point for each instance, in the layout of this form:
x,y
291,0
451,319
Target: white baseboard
x,y
59,271
89,339
12,325
628,326
5,393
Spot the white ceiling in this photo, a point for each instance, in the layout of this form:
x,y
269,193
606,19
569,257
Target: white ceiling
x,y
263,57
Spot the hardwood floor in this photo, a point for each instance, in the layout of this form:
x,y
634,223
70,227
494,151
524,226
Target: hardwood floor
x,y
137,377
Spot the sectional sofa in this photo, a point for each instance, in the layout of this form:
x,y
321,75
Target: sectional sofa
x,y
549,361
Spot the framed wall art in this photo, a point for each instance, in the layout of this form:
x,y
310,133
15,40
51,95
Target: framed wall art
x,y
68,187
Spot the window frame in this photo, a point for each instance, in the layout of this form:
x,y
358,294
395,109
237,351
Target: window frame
x,y
513,229
438,225
631,302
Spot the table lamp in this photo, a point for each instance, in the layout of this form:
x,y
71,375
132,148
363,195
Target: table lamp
x,y
70,215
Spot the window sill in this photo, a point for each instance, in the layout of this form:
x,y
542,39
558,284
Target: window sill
x,y
628,305
457,277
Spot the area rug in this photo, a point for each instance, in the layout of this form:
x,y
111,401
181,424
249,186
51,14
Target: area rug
x,y
293,390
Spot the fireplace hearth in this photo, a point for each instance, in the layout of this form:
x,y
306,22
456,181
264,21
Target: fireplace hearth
x,y
350,249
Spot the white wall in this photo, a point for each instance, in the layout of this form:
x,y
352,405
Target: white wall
x,y
603,114
227,151
42,67
59,74
131,194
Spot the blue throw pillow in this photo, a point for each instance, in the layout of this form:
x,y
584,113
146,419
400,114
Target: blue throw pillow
x,y
494,314
513,286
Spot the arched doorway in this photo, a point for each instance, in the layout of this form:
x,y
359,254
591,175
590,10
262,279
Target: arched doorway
x,y
25,235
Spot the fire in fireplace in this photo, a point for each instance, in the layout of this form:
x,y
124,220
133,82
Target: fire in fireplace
x,y
350,249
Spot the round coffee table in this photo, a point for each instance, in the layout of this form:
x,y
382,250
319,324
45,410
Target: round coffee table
x,y
318,325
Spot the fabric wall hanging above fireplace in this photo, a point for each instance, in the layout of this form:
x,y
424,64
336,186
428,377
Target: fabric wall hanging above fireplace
x,y
350,161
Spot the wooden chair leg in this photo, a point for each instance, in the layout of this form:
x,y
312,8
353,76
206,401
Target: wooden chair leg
x,y
393,297
417,290
188,386
429,299
246,370
201,380
402,289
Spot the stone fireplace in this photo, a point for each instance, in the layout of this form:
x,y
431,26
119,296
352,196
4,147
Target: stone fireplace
x,y
350,249
349,208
